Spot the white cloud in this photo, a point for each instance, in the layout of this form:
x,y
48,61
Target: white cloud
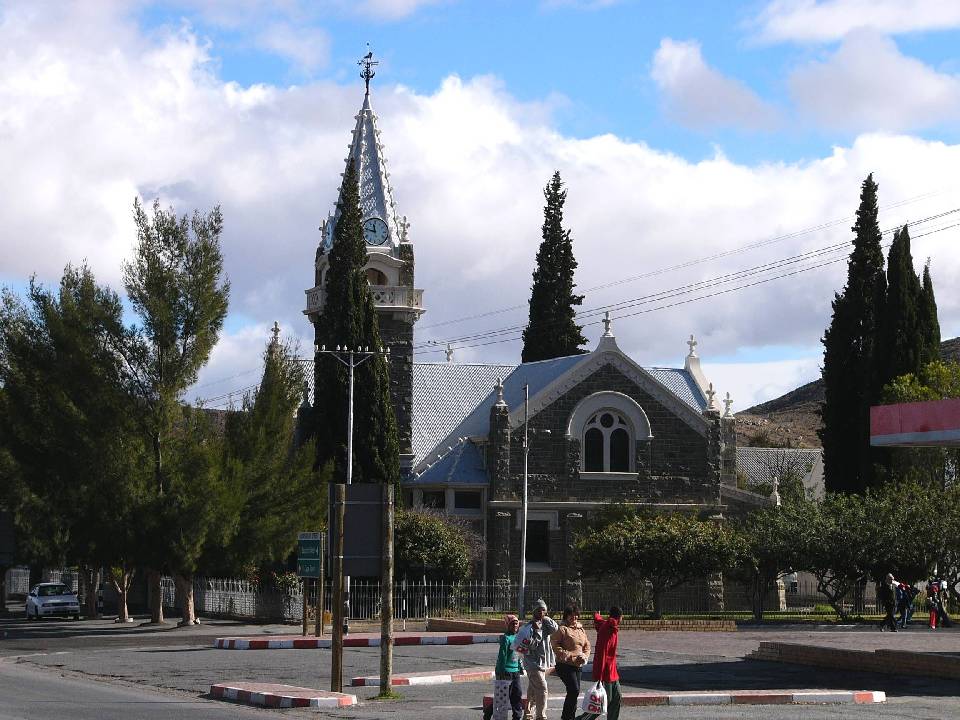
x,y
92,112
868,84
700,96
812,21
307,47
393,9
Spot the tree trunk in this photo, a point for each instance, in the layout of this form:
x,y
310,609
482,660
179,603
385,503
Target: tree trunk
x,y
657,609
155,593
91,578
121,583
184,584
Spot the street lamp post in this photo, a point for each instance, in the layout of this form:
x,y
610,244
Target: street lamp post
x,y
521,598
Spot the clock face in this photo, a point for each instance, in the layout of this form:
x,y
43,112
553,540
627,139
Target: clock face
x,y
375,231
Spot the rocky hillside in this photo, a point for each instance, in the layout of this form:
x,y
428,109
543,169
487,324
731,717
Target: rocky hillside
x,y
792,419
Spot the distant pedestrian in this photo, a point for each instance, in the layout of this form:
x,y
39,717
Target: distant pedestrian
x,y
933,602
605,662
507,695
572,648
533,643
905,595
888,598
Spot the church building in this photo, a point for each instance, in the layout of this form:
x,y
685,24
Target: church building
x,y
589,429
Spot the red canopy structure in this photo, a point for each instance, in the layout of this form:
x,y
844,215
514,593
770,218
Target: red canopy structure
x,y
919,424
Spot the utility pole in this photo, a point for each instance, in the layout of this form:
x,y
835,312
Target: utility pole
x,y
523,506
351,359
336,657
386,594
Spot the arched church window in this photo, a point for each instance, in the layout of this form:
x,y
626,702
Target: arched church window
x,y
593,450
607,443
375,277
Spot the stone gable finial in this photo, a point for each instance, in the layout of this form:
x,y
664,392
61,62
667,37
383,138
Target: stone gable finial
x,y
727,404
692,342
499,387
275,332
775,494
607,322
711,393
449,352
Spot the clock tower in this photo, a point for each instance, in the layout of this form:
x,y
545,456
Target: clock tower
x,y
389,265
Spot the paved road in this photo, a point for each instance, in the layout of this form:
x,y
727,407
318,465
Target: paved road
x,y
181,665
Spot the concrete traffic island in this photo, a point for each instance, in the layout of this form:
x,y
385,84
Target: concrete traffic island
x,y
896,661
280,696
733,697
298,642
428,678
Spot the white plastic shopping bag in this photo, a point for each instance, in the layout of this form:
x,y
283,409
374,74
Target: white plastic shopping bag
x,y
501,700
595,700
523,640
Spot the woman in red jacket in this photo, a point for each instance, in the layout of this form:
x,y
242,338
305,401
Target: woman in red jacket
x,y
605,662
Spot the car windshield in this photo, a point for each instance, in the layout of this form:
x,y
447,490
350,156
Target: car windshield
x,y
48,590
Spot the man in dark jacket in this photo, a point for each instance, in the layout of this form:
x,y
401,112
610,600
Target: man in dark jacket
x,y
888,598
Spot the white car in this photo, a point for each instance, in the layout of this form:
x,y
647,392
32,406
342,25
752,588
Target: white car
x,y
52,598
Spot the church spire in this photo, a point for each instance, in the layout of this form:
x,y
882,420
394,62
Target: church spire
x,y
383,229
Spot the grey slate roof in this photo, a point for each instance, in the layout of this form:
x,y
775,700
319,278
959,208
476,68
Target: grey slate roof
x,y
761,464
461,465
443,395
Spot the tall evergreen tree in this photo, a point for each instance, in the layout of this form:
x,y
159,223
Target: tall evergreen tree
x,y
349,319
176,286
850,373
901,342
929,322
552,330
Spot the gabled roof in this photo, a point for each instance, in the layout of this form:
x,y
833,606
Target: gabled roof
x,y
376,195
452,402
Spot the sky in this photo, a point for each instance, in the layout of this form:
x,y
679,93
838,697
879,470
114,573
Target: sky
x,y
712,151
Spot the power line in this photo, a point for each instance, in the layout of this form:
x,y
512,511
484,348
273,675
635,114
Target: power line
x,y
698,261
691,287
515,336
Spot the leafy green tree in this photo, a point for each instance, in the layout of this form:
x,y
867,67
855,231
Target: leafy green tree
x,y
850,373
431,543
176,285
349,320
552,330
273,484
664,551
833,540
901,513
75,484
765,553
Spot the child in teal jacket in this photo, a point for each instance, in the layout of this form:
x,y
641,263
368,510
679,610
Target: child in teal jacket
x,y
507,695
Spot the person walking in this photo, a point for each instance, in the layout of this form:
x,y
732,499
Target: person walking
x,y
605,662
571,648
888,598
507,696
537,659
905,595
933,603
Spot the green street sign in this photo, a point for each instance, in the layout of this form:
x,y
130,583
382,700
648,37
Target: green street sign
x,y
309,549
308,568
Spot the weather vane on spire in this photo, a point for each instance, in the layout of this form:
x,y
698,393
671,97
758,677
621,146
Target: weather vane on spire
x,y
367,63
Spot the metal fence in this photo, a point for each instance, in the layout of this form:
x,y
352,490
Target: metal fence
x,y
18,580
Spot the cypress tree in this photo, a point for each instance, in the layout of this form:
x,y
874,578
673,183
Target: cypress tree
x,y
927,317
551,329
850,375
350,319
901,339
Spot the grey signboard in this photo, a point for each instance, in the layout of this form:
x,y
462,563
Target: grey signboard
x,y
362,529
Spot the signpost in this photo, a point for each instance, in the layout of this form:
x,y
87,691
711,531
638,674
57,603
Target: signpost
x,y
309,566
